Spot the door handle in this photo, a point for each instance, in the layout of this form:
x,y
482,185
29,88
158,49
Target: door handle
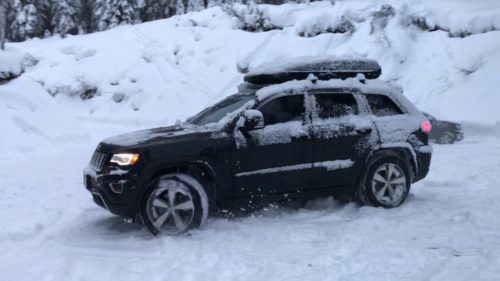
x,y
300,137
363,131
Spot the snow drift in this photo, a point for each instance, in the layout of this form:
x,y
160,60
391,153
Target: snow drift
x,y
445,54
13,63
30,117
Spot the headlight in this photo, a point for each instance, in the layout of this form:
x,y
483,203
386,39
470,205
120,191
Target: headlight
x,y
125,159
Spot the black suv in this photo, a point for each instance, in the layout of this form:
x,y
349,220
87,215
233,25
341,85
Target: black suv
x,y
316,135
444,132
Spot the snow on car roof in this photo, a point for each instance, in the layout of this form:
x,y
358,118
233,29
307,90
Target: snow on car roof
x,y
323,68
365,86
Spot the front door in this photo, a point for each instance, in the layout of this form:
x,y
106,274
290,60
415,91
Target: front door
x,y
275,159
342,138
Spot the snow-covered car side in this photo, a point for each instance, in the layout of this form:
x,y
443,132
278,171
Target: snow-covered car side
x,y
268,143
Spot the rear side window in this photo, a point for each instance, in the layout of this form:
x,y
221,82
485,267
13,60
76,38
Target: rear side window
x,y
283,109
335,105
382,105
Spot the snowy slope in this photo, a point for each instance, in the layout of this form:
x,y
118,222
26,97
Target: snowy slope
x,y
165,70
31,118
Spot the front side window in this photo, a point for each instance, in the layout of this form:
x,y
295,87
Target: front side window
x,y
382,105
283,109
335,105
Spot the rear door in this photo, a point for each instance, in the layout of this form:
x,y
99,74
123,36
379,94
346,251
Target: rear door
x,y
275,159
342,136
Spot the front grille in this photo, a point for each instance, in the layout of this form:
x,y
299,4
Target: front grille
x,y
98,160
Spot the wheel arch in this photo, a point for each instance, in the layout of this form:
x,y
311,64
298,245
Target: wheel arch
x,y
401,152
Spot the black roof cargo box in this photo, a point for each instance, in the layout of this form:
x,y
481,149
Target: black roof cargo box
x,y
323,69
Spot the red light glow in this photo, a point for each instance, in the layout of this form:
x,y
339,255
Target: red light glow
x,y
426,126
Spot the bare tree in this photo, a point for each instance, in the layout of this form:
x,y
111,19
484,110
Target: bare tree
x,y
3,23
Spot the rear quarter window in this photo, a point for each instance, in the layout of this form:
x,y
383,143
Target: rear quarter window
x,y
382,105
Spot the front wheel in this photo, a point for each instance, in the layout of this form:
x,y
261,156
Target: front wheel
x,y
386,184
174,204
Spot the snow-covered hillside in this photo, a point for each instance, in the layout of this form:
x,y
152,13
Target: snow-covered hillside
x,y
166,70
444,53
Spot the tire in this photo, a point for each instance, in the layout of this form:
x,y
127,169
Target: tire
x,y
446,138
375,188
173,204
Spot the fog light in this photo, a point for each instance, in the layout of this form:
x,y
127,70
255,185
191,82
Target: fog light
x,y
116,187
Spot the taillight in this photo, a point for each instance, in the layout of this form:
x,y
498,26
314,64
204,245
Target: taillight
x,y
426,126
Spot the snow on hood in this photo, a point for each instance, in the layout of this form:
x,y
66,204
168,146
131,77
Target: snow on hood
x,y
156,134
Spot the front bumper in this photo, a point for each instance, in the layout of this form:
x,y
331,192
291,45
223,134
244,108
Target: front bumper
x,y
117,193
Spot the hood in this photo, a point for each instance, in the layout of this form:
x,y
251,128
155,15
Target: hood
x,y
153,135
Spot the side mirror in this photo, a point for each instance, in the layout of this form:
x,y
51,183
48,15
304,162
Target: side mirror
x,y
253,119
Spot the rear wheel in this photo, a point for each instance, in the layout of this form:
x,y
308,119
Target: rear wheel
x,y
386,184
174,204
446,138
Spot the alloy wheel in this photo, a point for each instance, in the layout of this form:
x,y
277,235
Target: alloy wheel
x,y
389,184
170,207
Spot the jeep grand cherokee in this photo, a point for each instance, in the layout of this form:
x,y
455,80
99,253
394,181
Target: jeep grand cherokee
x,y
320,130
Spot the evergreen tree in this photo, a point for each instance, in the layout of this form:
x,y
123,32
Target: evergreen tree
x,y
156,9
213,3
87,15
26,24
46,13
116,12
195,5
180,8
66,18
3,24
12,9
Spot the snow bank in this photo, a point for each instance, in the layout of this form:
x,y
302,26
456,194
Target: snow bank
x,y
158,72
13,63
30,117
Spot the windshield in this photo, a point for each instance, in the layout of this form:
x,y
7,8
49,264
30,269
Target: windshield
x,y
430,117
215,113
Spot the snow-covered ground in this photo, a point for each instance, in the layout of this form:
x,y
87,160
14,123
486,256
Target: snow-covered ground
x,y
447,230
154,73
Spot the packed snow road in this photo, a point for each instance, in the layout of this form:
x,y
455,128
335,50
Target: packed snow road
x,y
449,229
